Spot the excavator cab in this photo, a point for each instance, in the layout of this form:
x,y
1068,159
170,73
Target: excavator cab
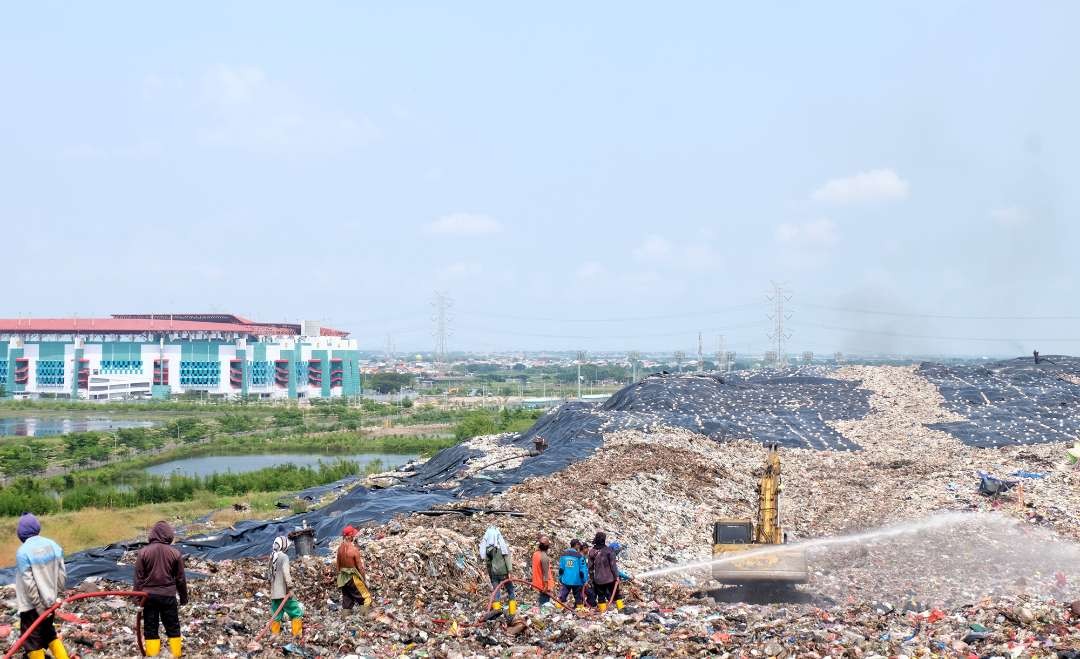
x,y
755,552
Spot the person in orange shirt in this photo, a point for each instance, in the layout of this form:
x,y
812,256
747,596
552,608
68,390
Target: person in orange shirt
x,y
542,577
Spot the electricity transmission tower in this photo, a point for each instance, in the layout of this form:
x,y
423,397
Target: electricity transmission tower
x,y
679,357
721,356
779,316
441,318
700,355
580,359
634,358
389,349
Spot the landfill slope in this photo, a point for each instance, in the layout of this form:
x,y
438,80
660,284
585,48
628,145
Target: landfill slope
x,y
1016,401
1001,583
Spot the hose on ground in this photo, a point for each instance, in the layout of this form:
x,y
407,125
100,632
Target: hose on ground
x,y
79,596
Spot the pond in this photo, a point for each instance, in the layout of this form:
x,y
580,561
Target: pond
x,y
211,464
47,426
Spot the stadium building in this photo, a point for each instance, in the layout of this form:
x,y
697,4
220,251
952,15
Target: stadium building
x,y
142,356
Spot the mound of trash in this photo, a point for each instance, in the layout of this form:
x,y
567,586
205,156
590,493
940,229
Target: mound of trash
x,y
1011,402
792,409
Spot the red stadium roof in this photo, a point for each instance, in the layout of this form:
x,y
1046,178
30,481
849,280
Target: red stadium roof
x,y
143,324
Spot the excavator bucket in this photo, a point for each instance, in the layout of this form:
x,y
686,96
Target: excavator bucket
x,y
760,564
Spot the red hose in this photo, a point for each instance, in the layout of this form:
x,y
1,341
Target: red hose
x,y
78,596
269,622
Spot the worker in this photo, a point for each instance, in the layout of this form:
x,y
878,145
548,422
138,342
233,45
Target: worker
x,y
159,572
617,548
351,576
542,578
604,570
1036,353
495,553
40,575
573,574
281,588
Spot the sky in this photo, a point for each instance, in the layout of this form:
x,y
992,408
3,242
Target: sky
x,y
600,176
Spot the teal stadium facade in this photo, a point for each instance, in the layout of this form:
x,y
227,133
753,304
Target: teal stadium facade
x,y
164,355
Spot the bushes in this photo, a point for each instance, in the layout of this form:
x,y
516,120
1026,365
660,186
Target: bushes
x,y
486,422
139,488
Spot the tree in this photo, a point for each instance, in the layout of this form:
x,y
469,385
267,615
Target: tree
x,y
387,383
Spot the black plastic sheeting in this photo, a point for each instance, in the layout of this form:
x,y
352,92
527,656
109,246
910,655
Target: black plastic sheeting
x,y
789,410
1010,402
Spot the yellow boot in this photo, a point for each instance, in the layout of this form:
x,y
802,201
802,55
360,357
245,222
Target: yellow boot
x,y
275,627
153,647
36,654
513,607
176,646
58,650
602,606
619,604
297,627
496,605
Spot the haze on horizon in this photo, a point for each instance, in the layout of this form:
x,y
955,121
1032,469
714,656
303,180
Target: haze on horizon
x,y
604,176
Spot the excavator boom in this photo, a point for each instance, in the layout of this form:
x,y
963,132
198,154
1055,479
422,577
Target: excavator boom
x,y
755,551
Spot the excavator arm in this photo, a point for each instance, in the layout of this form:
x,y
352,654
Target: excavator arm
x,y
743,546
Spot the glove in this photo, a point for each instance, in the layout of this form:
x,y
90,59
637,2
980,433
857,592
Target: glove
x,y
183,600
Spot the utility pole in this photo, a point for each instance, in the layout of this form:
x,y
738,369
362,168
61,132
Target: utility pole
x,y
778,316
441,305
700,355
580,358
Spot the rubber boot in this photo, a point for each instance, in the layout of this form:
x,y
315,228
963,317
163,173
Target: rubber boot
x,y
513,607
496,605
58,650
619,604
275,627
602,606
297,627
176,646
152,647
36,654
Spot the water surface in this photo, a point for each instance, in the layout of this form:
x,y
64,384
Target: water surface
x,y
211,464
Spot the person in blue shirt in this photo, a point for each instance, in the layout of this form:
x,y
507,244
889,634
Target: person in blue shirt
x,y
573,574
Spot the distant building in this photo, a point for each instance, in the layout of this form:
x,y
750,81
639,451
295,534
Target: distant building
x,y
134,356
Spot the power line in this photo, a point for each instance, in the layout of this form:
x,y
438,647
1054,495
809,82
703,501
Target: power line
x,y
756,323
855,330
688,314
903,314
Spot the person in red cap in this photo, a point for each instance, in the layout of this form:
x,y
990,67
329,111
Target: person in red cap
x,y
351,574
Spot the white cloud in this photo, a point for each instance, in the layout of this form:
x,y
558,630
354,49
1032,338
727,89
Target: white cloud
x,y
814,233
871,186
465,224
1013,216
653,248
590,270
248,109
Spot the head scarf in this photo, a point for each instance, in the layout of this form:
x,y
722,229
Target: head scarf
x,y
599,539
281,543
493,537
349,531
28,527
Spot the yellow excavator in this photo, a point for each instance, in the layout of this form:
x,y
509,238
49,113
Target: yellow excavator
x,y
732,537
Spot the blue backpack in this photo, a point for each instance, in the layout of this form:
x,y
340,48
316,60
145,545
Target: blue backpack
x,y
573,569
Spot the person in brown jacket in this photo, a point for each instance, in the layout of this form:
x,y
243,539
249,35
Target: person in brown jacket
x,y
159,572
351,573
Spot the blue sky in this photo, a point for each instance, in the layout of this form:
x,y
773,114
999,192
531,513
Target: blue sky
x,y
574,175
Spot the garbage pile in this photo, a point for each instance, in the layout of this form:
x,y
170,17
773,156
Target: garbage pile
x,y
791,409
970,573
1011,402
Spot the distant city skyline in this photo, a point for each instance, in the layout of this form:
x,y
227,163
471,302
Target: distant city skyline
x,y
598,177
